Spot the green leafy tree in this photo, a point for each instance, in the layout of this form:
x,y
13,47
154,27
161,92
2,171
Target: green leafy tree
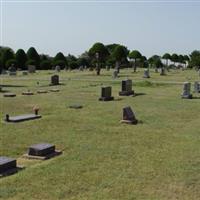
x,y
174,58
99,53
45,64
60,60
119,55
135,55
33,55
167,57
7,54
195,59
21,59
11,62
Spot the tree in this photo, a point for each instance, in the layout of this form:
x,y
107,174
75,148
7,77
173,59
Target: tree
x,y
45,64
21,58
11,62
7,54
33,55
98,52
195,59
174,58
186,59
135,55
119,54
60,60
167,57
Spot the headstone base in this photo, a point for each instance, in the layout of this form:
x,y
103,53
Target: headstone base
x,y
54,90
106,98
42,91
27,93
129,122
126,93
48,156
186,96
146,76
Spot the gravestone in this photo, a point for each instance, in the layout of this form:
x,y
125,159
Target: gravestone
x,y
42,151
126,86
27,93
128,116
4,72
7,164
54,80
31,68
196,87
42,91
57,68
76,106
146,73
115,74
12,73
54,90
12,68
81,68
106,93
186,91
22,118
9,95
162,71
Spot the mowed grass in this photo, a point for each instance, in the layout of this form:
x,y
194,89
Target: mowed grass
x,y
158,159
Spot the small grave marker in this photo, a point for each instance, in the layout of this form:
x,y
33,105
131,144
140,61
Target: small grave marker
x,y
128,116
9,95
146,73
196,87
42,151
31,69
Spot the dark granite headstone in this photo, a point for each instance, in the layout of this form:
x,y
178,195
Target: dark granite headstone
x,y
106,93
42,149
186,91
126,88
55,80
7,164
129,116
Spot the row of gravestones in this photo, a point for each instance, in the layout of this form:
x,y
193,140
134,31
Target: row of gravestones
x,y
187,89
146,73
40,151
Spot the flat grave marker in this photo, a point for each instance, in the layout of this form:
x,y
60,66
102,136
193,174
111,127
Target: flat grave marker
x,y
9,95
42,151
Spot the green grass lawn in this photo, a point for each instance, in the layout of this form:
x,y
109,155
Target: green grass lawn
x,y
158,159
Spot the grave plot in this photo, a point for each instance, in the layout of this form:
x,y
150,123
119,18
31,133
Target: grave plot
x,y
128,116
8,166
126,88
106,93
42,151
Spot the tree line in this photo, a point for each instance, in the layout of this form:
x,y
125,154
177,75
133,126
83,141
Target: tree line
x,y
97,57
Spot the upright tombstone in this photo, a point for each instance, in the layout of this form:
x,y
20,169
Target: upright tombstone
x,y
186,91
146,73
57,68
115,74
31,68
128,116
106,93
12,71
55,80
7,165
162,71
126,88
196,87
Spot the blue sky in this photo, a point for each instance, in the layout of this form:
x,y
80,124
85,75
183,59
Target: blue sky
x,y
150,27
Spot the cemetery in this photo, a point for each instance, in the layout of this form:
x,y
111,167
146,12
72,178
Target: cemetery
x,y
101,140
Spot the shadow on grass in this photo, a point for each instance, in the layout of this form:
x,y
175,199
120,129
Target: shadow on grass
x,y
139,94
2,85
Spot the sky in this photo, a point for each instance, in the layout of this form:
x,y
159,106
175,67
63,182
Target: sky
x,y
152,27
